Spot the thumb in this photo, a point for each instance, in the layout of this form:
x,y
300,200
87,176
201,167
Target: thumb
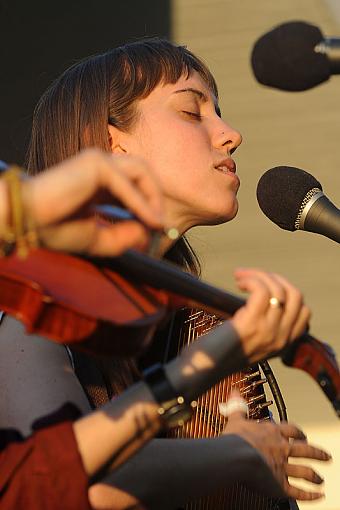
x,y
235,408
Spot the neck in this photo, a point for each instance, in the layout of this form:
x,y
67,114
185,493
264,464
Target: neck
x,y
165,244
175,219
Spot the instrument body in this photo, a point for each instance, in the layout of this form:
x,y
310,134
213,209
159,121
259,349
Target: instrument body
x,y
69,300
113,305
208,422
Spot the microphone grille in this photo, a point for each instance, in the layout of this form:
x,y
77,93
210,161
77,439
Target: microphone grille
x,y
284,58
310,194
283,192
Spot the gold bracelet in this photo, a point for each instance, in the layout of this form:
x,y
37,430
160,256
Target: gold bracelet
x,y
20,231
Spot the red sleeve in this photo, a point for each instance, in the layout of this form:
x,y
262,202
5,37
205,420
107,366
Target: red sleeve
x,y
44,472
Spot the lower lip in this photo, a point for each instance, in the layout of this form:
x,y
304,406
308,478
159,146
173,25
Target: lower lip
x,y
230,174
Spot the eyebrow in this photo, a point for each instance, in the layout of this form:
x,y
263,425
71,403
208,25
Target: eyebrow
x,y
202,97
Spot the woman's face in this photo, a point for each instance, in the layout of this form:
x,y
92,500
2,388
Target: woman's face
x,y
180,133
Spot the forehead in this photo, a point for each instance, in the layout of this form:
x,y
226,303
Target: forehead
x,y
164,92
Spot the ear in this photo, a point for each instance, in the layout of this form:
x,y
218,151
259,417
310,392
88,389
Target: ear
x,y
116,140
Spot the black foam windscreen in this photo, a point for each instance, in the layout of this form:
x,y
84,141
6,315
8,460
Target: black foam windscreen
x,y
281,191
284,58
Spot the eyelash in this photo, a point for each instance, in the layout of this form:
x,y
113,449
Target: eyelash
x,y
192,114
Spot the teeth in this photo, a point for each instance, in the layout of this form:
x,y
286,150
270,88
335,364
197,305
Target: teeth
x,y
223,169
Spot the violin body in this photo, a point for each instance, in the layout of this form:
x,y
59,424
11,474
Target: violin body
x,y
113,305
69,300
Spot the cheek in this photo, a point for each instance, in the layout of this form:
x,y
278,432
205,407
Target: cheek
x,y
179,155
170,155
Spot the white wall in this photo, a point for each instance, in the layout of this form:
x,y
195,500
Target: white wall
x,y
298,129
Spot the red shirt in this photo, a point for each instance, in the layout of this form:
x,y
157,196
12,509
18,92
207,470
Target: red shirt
x,y
43,472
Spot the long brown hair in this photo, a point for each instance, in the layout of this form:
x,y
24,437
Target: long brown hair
x,y
74,114
75,111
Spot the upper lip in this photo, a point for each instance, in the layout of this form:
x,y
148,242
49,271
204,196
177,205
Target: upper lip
x,y
229,163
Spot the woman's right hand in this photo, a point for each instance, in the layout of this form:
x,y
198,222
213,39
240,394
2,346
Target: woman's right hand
x,y
273,316
277,443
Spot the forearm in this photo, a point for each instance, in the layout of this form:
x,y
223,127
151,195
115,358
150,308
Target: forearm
x,y
113,433
206,361
125,424
169,472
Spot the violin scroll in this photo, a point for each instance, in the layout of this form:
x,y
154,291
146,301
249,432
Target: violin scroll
x,y
319,361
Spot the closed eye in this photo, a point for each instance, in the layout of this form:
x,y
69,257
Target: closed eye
x,y
193,114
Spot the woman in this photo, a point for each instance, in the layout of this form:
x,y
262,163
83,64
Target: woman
x,y
158,101
56,462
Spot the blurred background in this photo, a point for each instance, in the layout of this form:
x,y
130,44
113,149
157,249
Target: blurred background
x,y
39,40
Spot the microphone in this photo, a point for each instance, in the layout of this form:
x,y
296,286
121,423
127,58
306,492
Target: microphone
x,y
294,200
295,56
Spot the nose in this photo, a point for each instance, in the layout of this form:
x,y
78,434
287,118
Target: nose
x,y
227,137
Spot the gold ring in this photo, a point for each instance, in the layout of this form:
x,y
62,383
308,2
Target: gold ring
x,y
276,303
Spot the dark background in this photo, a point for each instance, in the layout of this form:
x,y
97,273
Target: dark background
x,y
39,39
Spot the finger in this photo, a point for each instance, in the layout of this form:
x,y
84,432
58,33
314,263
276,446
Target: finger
x,y
67,187
140,177
259,295
291,431
114,239
303,472
127,178
303,449
278,317
302,494
273,284
96,238
296,315
273,290
301,323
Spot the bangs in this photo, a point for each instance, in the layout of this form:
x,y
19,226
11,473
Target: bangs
x,y
151,62
105,89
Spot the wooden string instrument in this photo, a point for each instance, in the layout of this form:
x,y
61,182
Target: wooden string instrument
x,y
82,300
208,421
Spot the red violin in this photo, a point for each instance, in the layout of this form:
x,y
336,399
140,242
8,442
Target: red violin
x,y
86,300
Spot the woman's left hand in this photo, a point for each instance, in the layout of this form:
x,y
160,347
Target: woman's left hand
x,y
61,200
273,316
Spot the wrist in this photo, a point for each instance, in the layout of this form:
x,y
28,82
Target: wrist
x,y
173,409
206,361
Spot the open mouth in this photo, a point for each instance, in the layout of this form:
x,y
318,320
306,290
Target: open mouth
x,y
227,166
222,168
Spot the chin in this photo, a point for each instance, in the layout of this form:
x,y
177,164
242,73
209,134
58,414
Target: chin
x,y
228,214
217,218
